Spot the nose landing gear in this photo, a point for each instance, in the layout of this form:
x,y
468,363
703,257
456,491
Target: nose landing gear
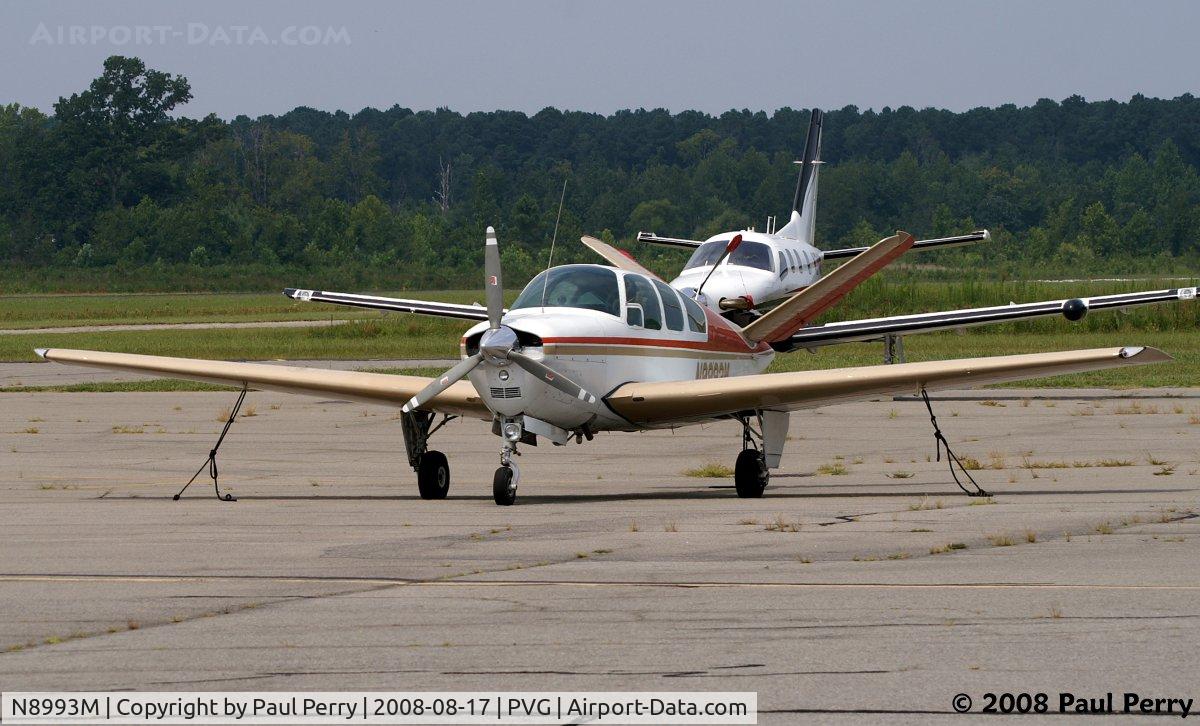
x,y
504,483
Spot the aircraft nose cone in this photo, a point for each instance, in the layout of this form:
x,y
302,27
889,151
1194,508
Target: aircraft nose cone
x,y
496,345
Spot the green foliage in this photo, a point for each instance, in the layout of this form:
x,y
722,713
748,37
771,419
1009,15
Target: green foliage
x,y
115,191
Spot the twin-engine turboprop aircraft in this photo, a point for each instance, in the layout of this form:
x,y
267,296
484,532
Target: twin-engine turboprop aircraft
x,y
769,266
589,348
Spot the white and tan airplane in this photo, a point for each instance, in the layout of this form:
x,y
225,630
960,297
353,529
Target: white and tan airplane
x,y
770,266
586,349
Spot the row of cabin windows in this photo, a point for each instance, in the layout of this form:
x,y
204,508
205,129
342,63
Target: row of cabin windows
x,y
791,261
595,288
640,290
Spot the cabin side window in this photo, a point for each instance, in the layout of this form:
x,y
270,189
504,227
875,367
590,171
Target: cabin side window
x,y
671,308
695,315
639,290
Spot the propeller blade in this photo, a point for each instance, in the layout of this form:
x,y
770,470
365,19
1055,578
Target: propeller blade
x,y
548,374
492,284
440,384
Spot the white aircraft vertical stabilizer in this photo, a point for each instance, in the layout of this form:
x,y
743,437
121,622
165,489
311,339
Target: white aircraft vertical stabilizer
x,y
802,224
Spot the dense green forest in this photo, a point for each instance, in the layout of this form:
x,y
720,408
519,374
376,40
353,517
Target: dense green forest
x,y
119,190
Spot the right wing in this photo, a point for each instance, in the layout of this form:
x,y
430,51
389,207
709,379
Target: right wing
x,y
683,244
875,328
421,307
678,402
460,399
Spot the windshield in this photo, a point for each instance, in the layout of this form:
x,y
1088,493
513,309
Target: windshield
x,y
573,286
748,254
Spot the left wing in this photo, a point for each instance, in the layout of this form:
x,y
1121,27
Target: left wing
x,y
920,245
460,398
617,258
666,403
374,302
1072,309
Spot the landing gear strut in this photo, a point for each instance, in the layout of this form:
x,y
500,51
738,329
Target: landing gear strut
x,y
504,483
433,470
750,473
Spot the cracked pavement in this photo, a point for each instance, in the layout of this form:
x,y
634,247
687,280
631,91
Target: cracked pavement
x,y
615,571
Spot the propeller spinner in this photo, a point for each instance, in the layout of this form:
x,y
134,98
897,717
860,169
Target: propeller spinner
x,y
499,345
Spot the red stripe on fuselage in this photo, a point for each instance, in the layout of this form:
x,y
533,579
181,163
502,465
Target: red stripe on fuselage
x,y
722,338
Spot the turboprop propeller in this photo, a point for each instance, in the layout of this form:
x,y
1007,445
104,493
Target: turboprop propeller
x,y
499,345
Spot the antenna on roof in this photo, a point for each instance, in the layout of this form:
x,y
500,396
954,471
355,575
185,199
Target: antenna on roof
x,y
550,259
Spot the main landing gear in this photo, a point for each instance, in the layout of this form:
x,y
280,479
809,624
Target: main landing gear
x,y
433,470
750,472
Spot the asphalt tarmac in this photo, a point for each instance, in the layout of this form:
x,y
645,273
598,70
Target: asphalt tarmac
x,y
863,587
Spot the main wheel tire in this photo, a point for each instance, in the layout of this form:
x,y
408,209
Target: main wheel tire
x,y
750,474
503,490
433,475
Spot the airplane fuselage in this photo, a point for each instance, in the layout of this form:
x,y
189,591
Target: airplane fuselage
x,y
601,351
765,268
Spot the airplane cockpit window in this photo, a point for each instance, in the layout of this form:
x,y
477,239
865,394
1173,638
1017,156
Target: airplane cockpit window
x,y
752,254
671,306
639,290
573,286
706,254
748,254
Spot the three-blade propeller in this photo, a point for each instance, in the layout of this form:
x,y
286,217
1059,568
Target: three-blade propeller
x,y
499,344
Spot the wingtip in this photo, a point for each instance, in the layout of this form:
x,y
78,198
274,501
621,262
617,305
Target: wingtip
x,y
41,352
1144,354
289,292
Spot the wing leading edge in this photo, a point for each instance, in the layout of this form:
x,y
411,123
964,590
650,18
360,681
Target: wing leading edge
x,y
384,388
667,403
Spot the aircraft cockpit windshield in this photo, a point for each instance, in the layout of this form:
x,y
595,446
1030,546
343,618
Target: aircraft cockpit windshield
x,y
573,286
748,254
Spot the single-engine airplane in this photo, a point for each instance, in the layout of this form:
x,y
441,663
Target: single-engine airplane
x,y
590,348
772,265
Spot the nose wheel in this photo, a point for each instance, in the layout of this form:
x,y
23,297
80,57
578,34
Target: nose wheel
x,y
504,483
504,486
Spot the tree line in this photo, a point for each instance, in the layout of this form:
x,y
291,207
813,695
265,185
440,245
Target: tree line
x,y
118,184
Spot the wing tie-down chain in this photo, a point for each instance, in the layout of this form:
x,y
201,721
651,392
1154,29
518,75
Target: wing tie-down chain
x,y
951,459
211,463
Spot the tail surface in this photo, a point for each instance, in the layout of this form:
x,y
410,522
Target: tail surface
x,y
804,204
